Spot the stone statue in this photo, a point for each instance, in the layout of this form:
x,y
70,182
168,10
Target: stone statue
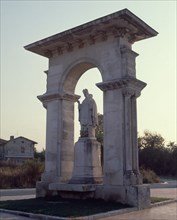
x,y
88,115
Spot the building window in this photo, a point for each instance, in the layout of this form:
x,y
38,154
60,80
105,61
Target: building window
x,y
22,150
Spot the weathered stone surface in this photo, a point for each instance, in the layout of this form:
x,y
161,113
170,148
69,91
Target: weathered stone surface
x,y
72,187
87,162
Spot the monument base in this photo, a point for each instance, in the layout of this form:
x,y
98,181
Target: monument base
x,y
134,195
42,187
74,191
87,162
42,190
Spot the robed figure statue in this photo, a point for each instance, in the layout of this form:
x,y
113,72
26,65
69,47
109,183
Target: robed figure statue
x,y
88,116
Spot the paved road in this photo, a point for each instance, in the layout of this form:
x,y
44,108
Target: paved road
x,y
7,216
165,212
17,194
164,192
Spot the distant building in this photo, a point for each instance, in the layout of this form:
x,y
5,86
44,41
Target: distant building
x,y
17,150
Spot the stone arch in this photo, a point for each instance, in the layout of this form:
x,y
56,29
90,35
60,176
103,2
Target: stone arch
x,y
105,43
72,74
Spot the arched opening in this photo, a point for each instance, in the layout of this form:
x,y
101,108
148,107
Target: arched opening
x,y
81,76
73,74
88,80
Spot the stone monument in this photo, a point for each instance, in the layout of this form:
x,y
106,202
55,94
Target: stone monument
x,y
105,43
87,151
88,115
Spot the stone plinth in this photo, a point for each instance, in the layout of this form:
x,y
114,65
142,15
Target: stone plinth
x,y
72,187
73,191
87,162
133,195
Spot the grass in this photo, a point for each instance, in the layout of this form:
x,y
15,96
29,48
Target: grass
x,y
57,206
158,199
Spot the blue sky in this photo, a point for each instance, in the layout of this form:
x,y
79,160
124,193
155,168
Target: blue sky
x,y
22,77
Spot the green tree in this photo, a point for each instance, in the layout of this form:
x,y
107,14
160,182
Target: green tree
x,y
99,129
39,155
151,140
173,158
99,134
155,155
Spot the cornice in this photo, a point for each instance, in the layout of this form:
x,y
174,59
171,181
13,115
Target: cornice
x,y
119,24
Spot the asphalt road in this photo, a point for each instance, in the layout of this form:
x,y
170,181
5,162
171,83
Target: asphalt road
x,y
7,216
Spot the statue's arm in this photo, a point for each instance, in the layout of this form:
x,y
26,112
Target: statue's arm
x,y
79,108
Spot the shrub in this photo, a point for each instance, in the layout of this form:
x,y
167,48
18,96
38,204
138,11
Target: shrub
x,y
20,176
149,176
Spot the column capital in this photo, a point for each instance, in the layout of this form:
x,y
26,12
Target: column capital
x,y
48,97
128,92
130,83
125,50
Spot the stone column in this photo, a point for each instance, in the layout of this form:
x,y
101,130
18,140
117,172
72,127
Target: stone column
x,y
129,136
113,133
120,131
135,154
67,150
59,140
52,173
127,130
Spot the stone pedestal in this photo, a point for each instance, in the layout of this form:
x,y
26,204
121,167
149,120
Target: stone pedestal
x,y
87,162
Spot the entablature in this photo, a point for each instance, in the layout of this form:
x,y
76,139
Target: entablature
x,y
119,24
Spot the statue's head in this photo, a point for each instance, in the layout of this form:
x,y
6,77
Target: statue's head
x,y
85,92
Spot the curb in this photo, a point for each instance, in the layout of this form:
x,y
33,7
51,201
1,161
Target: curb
x,y
17,192
166,202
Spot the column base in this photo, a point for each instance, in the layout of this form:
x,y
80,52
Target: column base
x,y
132,177
42,187
42,190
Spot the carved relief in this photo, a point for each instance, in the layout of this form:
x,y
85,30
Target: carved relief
x,y
119,32
59,50
69,47
112,85
48,53
128,92
80,43
104,35
91,39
